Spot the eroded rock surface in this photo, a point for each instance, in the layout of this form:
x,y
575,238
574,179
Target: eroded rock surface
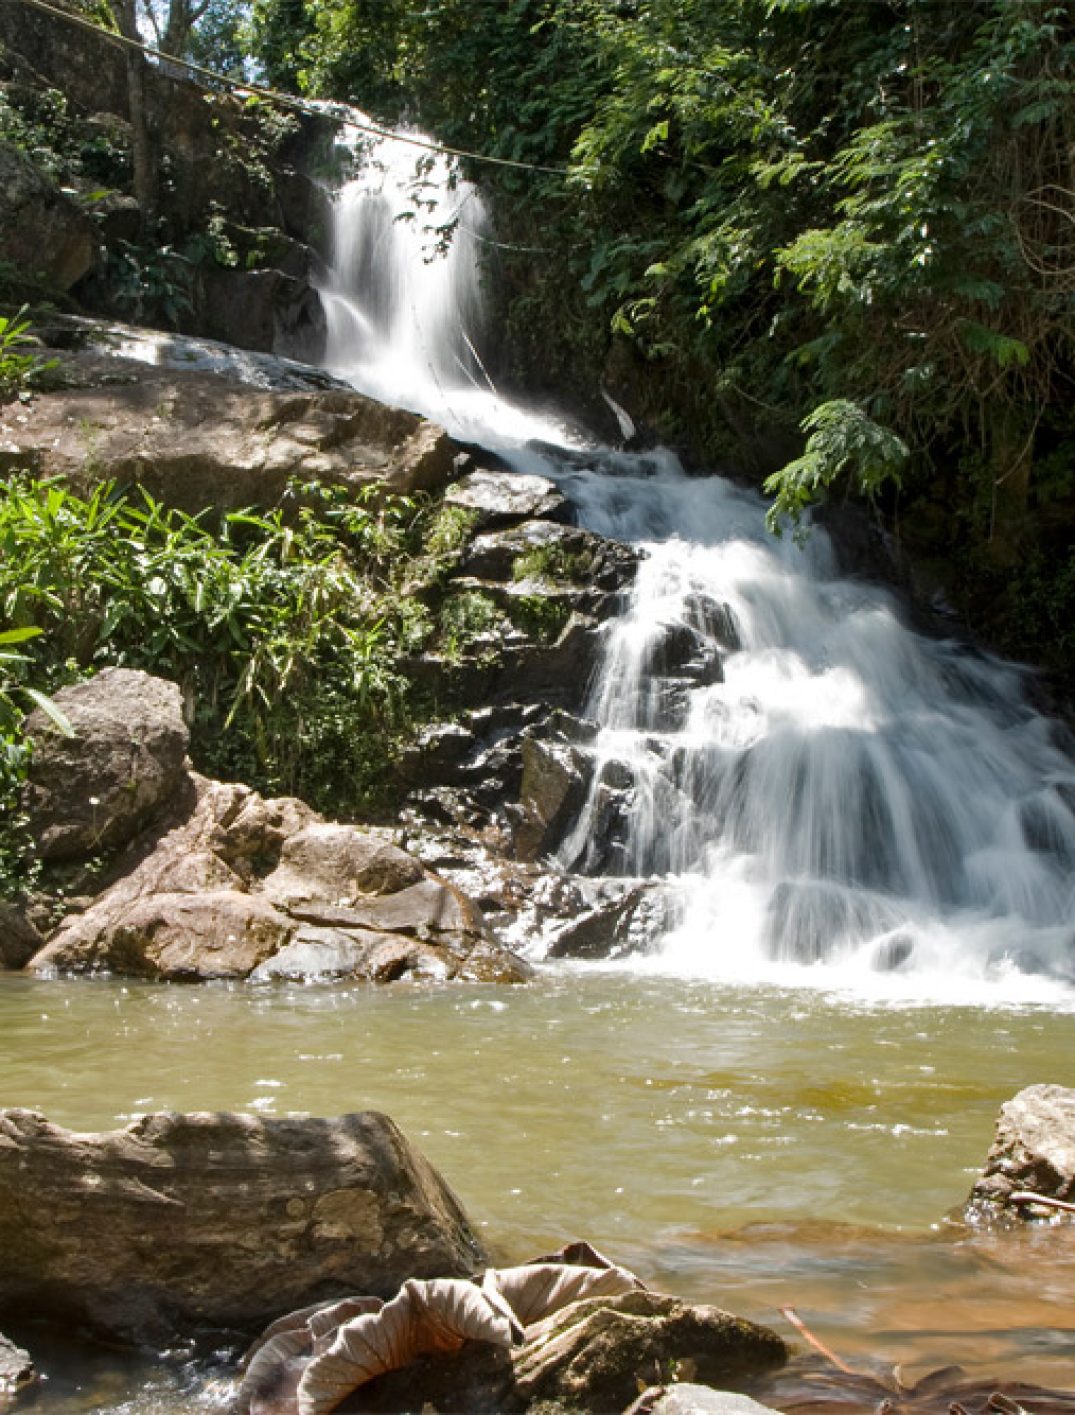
x,y
185,1222
197,441
1033,1151
93,792
594,1355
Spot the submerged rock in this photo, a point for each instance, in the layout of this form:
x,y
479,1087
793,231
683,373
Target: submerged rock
x,y
1033,1151
180,1223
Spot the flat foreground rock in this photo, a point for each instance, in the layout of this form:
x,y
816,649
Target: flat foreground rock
x,y
215,1221
196,440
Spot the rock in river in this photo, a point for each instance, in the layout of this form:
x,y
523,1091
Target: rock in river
x,y
180,1223
1033,1151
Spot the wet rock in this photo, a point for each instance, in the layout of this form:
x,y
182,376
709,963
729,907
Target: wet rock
x,y
1033,1151
19,939
554,786
680,651
16,1372
713,620
619,917
93,792
179,1223
236,886
43,233
196,440
592,1355
503,498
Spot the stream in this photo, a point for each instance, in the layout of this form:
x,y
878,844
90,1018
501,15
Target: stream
x,y
867,840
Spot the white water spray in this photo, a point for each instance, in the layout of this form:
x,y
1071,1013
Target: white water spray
x,y
831,797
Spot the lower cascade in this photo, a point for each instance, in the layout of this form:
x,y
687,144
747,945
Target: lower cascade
x,y
828,796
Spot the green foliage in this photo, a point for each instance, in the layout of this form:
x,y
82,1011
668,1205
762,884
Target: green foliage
x,y
18,370
767,239
467,618
553,562
60,143
150,283
18,866
282,627
539,617
842,440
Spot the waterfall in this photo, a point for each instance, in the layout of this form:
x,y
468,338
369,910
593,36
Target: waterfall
x,y
830,797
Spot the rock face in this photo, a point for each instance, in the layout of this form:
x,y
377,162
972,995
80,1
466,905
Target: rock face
x,y
238,886
43,231
185,1222
198,441
93,792
1033,1151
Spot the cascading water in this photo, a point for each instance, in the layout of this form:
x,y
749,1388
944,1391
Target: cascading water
x,y
829,796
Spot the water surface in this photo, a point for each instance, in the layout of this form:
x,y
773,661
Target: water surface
x,y
747,1146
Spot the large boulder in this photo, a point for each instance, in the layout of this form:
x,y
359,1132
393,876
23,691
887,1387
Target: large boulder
x,y
215,1221
240,887
43,232
1033,1152
91,793
196,440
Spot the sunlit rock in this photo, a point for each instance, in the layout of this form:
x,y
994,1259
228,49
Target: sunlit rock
x,y
1033,1152
179,1223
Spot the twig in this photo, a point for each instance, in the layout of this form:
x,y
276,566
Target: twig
x,y
1025,1196
801,1327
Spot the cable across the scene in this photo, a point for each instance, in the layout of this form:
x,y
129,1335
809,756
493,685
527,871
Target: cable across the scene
x,y
287,100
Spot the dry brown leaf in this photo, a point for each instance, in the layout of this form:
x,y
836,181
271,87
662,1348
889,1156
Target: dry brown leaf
x,y
537,1290
424,1317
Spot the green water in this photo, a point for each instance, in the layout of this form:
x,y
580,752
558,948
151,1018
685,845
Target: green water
x,y
755,1148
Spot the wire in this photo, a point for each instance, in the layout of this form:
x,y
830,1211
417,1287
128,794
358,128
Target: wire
x,y
286,100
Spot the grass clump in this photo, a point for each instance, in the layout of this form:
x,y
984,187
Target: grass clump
x,y
286,628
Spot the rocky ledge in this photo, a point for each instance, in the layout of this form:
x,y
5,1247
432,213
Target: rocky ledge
x,y
198,440
211,880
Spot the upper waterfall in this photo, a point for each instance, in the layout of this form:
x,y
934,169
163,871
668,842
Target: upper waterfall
x,y
829,796
402,293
